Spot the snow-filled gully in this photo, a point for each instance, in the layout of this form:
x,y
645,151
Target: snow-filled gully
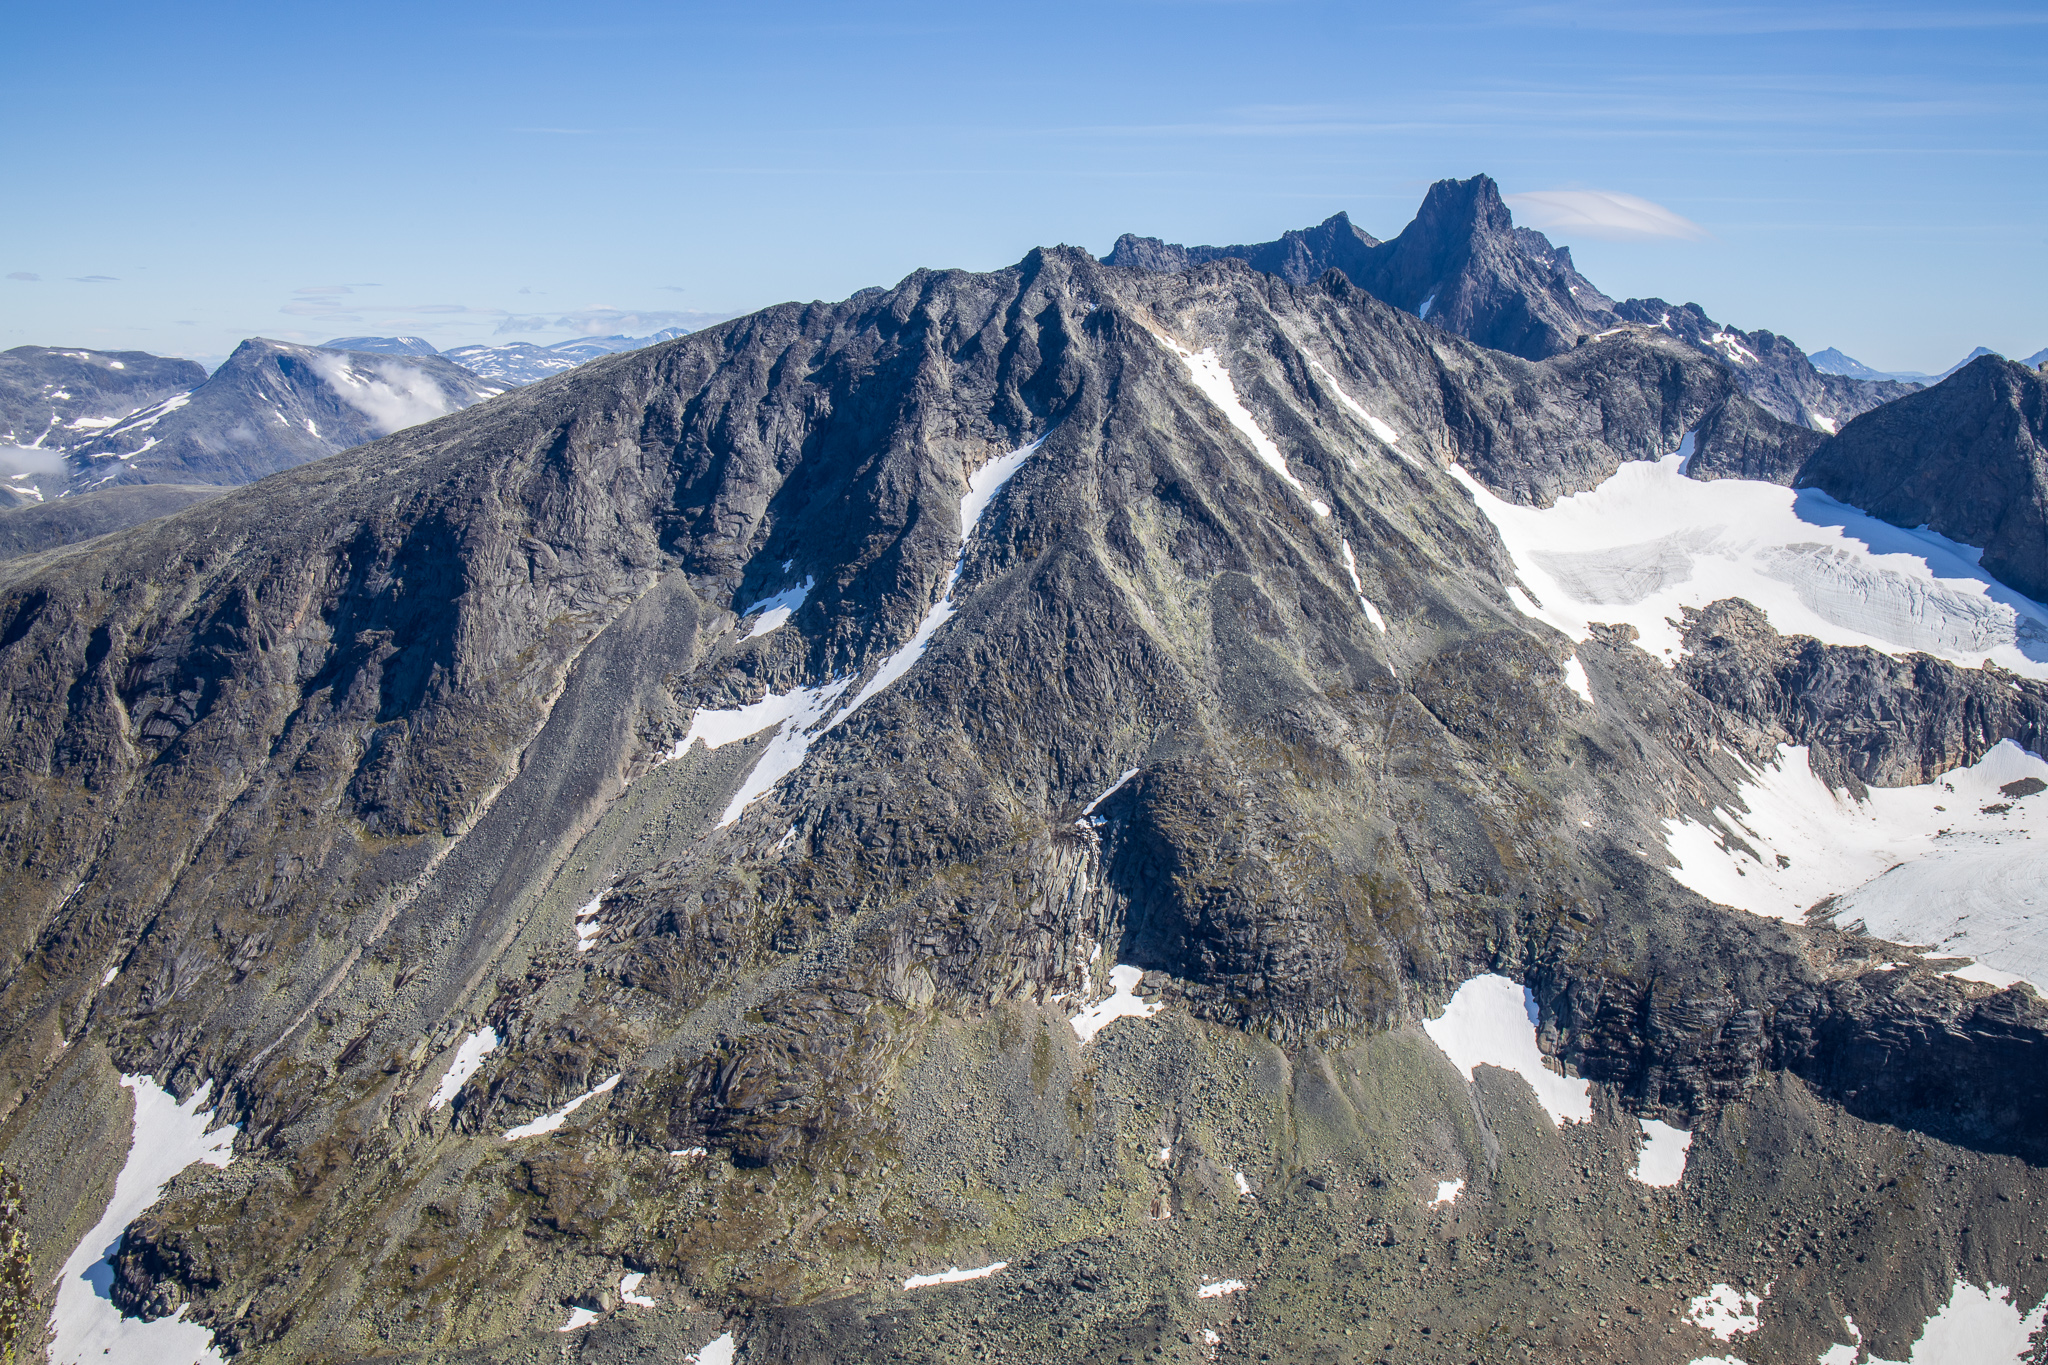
x,y
166,1138
804,714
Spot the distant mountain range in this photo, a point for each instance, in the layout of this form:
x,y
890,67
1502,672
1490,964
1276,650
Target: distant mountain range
x,y
520,362
1832,361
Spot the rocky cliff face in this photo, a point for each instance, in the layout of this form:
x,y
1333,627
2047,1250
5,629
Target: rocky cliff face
x,y
1967,457
773,737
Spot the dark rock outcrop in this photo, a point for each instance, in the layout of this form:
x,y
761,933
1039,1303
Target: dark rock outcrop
x,y
1870,717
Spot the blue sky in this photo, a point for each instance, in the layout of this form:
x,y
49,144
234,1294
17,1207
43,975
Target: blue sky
x,y
1869,176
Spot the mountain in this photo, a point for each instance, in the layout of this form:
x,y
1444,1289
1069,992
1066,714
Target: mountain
x,y
273,405
523,362
581,349
52,397
1464,265
1832,361
1060,814
381,345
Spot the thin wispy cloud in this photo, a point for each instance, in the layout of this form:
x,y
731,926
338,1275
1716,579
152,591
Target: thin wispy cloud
x,y
600,321
1607,215
1699,20
94,279
23,275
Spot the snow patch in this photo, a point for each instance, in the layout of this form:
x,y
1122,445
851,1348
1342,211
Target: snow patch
x,y
1427,303
1121,1003
1216,1289
799,712
1087,814
1491,1021
108,979
1650,541
1975,1327
1575,679
166,1138
1373,424
468,1057
1953,863
629,1290
1724,1313
1447,1192
955,1275
775,611
547,1123
1244,1188
578,1317
1662,1161
717,1351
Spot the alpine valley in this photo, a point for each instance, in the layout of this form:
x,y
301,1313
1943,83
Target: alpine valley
x,y
1323,801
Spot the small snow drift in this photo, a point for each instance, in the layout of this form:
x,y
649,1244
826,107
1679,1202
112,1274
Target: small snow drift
x,y
547,1123
1662,1162
1121,1003
629,1290
774,612
1650,541
1725,1314
1216,1289
1447,1192
468,1057
955,1275
718,1351
168,1137
1491,1021
578,1317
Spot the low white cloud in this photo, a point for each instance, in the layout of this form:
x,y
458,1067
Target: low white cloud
x,y
393,396
1604,214
29,460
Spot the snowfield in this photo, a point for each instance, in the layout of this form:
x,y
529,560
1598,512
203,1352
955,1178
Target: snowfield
x,y
1954,863
1650,541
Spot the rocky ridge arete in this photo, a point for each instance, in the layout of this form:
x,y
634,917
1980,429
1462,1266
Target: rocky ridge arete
x,y
1089,618
1464,265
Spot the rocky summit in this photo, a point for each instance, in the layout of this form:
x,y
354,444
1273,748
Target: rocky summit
x,y
1090,812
